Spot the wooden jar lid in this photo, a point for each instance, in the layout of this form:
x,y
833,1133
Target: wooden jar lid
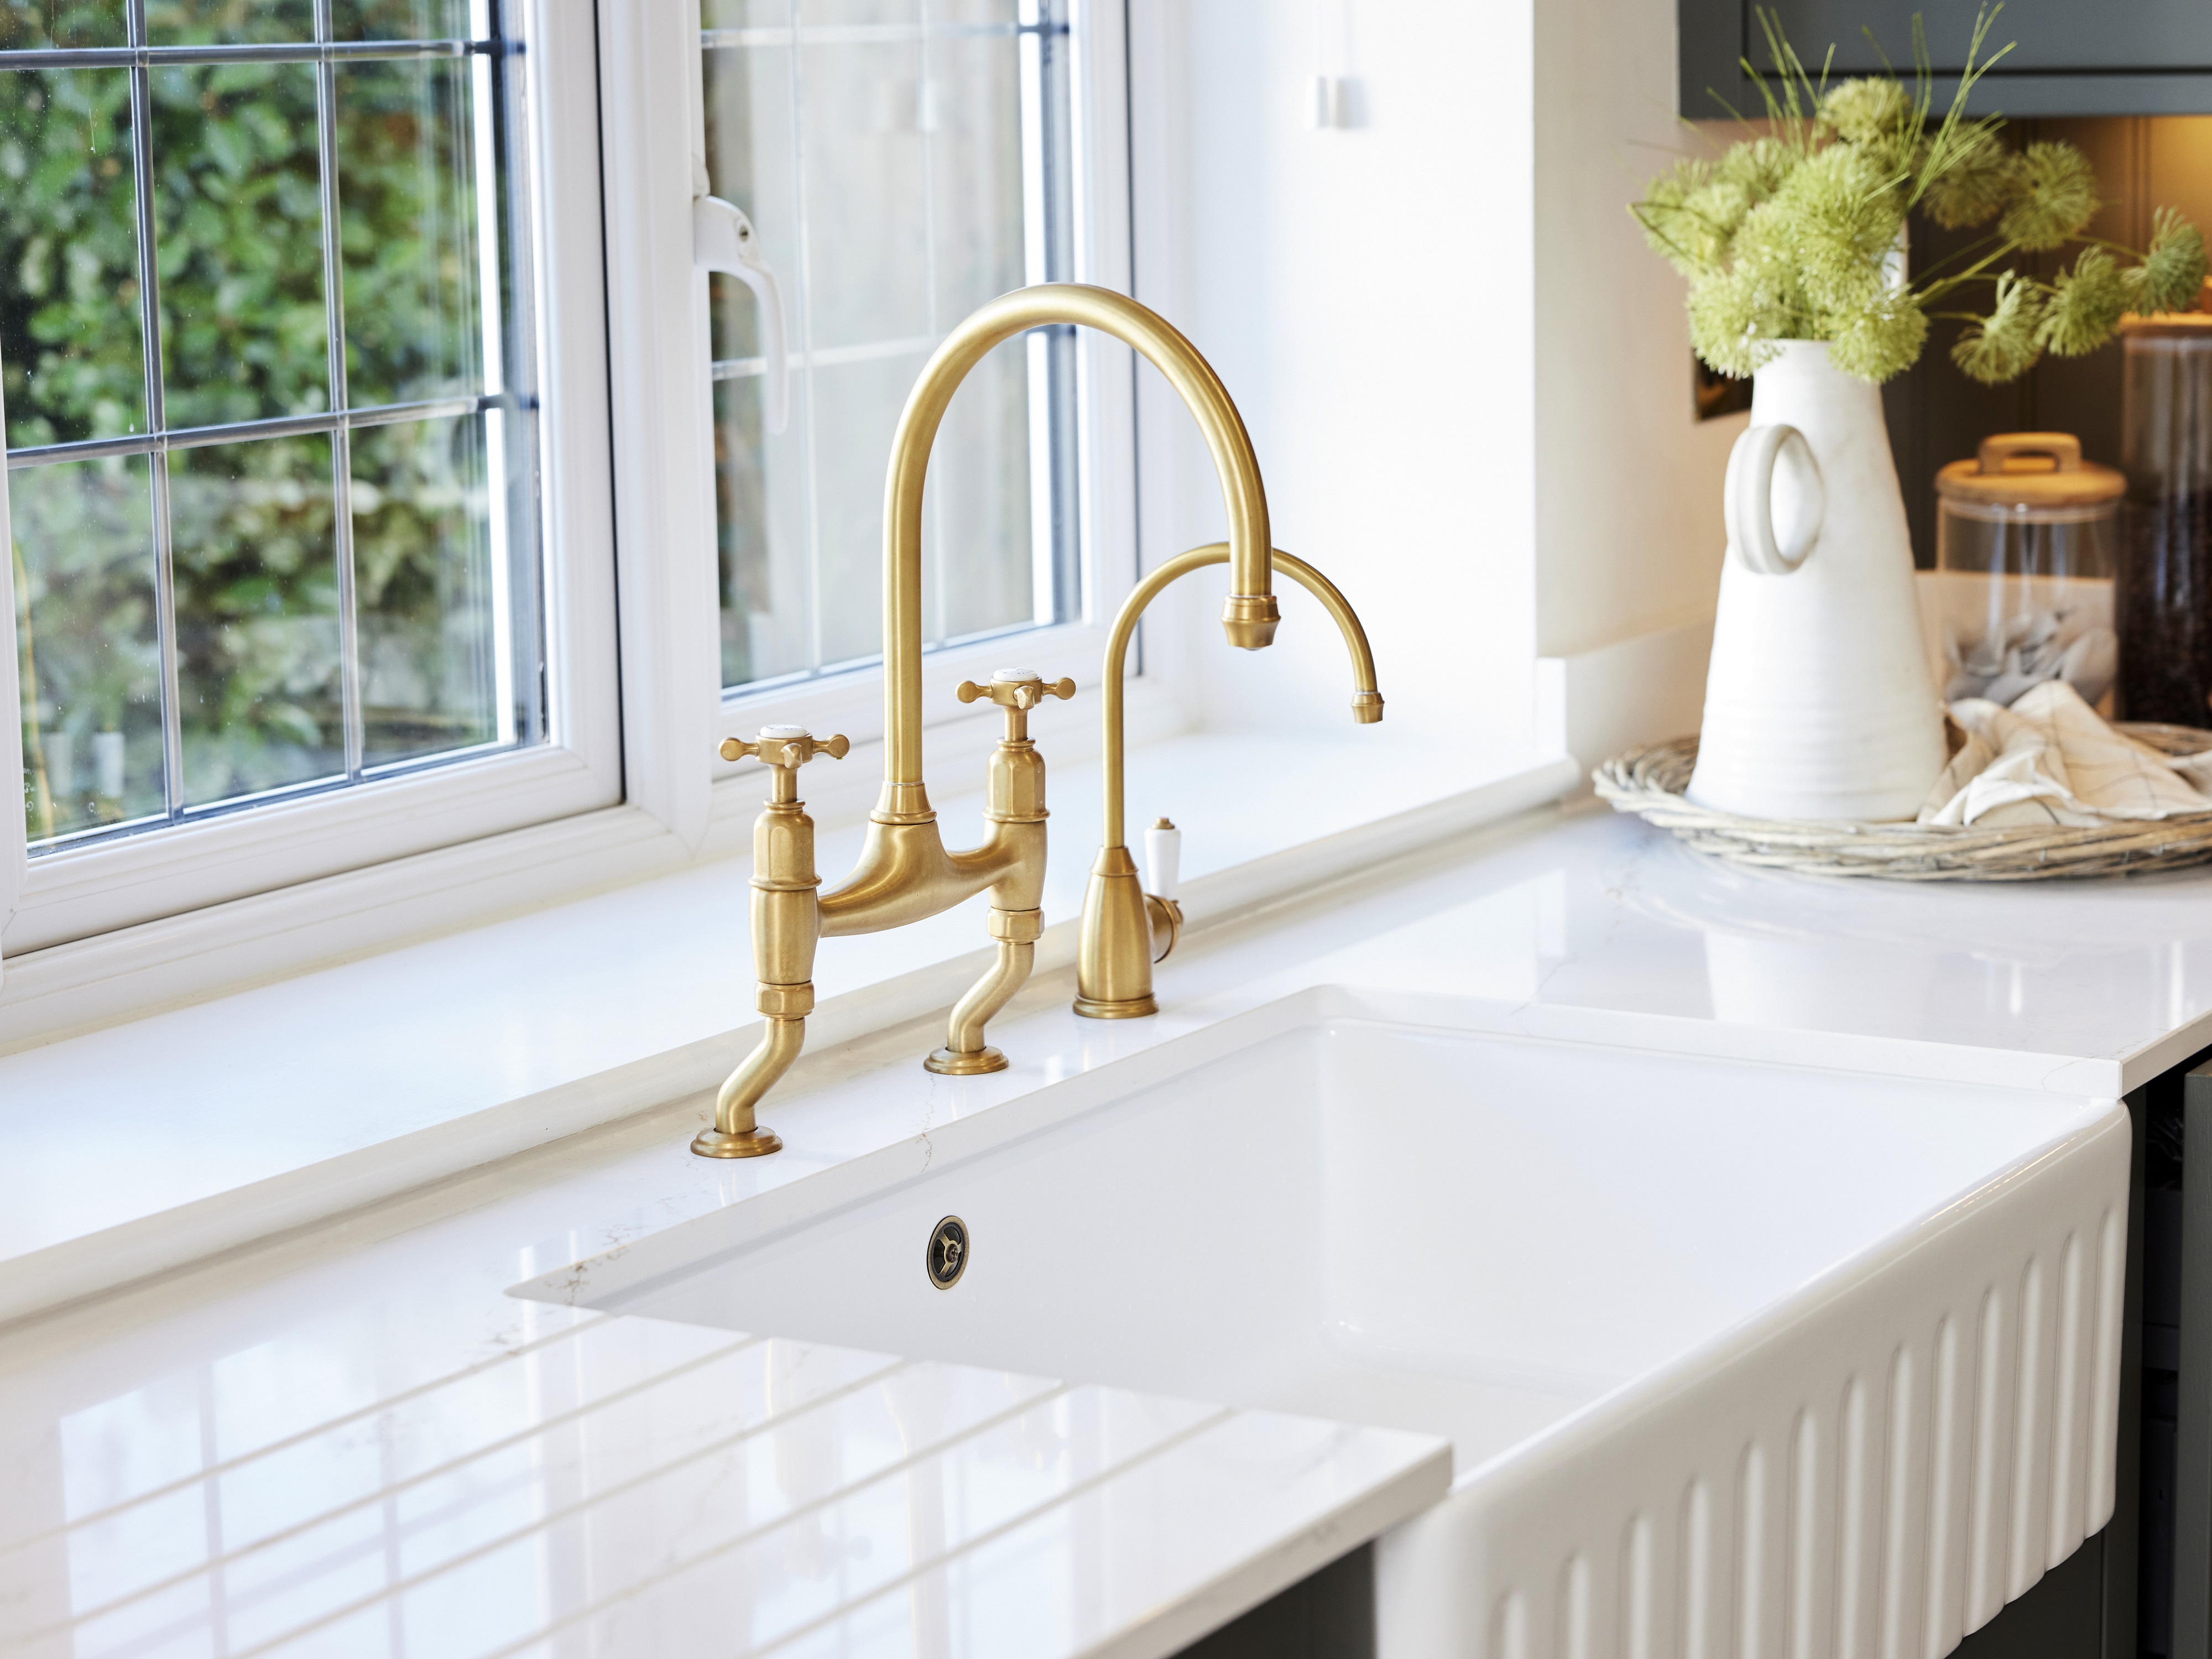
x,y
2031,470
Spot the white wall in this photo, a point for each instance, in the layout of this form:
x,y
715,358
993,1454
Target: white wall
x,y
1468,380
1366,295
1628,508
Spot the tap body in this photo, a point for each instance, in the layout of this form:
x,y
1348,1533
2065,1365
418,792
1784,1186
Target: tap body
x,y
905,872
1125,929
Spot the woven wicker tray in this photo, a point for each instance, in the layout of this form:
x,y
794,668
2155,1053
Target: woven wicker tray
x,y
1649,783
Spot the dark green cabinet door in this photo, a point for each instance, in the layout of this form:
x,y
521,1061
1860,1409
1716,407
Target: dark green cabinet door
x,y
2113,58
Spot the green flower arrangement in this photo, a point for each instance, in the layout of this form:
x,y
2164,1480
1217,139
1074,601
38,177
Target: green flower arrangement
x,y
1799,233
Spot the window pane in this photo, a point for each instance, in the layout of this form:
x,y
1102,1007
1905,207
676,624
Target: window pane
x,y
406,202
977,247
879,148
69,257
857,408
227,23
261,693
400,19
744,14
866,160
89,641
319,635
35,25
976,531
768,598
239,212
433,610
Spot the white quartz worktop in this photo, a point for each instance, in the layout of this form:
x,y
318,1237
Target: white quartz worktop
x,y
351,1439
427,1468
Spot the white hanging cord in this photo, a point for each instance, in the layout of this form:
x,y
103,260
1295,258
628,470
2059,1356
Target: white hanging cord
x,y
1327,103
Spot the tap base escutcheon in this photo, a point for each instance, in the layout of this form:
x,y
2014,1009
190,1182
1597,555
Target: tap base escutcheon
x,y
1117,1007
957,1062
753,1143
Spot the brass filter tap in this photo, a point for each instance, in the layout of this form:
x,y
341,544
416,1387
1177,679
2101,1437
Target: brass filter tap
x,y
1125,929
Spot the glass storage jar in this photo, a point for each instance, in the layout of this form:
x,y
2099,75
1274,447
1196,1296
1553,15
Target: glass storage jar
x,y
2165,561
2026,537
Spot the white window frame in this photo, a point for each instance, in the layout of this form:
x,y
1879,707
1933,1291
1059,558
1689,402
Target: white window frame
x,y
658,322
629,784
78,892
12,855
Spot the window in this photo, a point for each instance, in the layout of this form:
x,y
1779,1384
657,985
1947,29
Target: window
x,y
901,163
269,414
361,387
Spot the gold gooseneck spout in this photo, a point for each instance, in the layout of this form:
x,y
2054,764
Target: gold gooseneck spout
x,y
1250,615
1366,700
906,872
1125,929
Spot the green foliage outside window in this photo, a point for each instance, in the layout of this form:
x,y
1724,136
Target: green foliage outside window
x,y
237,198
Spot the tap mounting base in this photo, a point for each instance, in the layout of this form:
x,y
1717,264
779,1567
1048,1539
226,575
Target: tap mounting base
x,y
754,1143
956,1063
1116,1008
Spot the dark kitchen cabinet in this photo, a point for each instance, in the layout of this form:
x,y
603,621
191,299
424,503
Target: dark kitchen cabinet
x,y
2111,58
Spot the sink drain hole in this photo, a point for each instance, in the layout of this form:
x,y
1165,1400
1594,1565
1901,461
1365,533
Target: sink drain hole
x,y
947,1258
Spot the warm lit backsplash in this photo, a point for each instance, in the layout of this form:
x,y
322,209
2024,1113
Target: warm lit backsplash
x,y
1937,414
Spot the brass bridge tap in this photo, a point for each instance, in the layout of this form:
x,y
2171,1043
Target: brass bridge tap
x,y
906,872
1125,929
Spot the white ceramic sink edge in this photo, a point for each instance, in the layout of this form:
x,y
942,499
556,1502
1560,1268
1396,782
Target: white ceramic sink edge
x,y
1878,1414
806,1181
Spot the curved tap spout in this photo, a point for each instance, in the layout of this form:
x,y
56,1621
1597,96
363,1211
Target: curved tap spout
x,y
1114,961
1366,700
1251,613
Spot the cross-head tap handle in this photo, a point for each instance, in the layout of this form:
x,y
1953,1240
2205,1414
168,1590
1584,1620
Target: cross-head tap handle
x,y
1014,688
785,746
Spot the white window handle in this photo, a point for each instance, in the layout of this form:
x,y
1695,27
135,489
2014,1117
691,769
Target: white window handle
x,y
722,240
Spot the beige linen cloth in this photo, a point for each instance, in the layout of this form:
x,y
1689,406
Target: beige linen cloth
x,y
2051,759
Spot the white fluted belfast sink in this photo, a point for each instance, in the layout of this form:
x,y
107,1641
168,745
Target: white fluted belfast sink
x,y
1734,1357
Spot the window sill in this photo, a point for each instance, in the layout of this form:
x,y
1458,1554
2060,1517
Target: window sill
x,y
86,892
144,1145
71,986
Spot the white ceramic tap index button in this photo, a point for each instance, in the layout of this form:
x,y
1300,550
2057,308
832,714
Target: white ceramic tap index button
x,y
784,733
1014,676
1163,858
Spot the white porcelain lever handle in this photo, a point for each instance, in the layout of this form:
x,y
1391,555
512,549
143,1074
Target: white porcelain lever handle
x,y
1163,858
722,240
1773,521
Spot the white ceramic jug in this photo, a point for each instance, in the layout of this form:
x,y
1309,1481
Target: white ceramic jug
x,y
1819,702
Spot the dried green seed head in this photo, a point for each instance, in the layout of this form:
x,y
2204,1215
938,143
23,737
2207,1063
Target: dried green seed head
x,y
2055,196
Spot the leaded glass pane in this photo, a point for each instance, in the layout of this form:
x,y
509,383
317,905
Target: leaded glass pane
x,y
305,552
74,357
87,644
898,161
428,589
260,680
237,228
408,212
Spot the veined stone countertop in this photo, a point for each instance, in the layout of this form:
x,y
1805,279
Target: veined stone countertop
x,y
351,1439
